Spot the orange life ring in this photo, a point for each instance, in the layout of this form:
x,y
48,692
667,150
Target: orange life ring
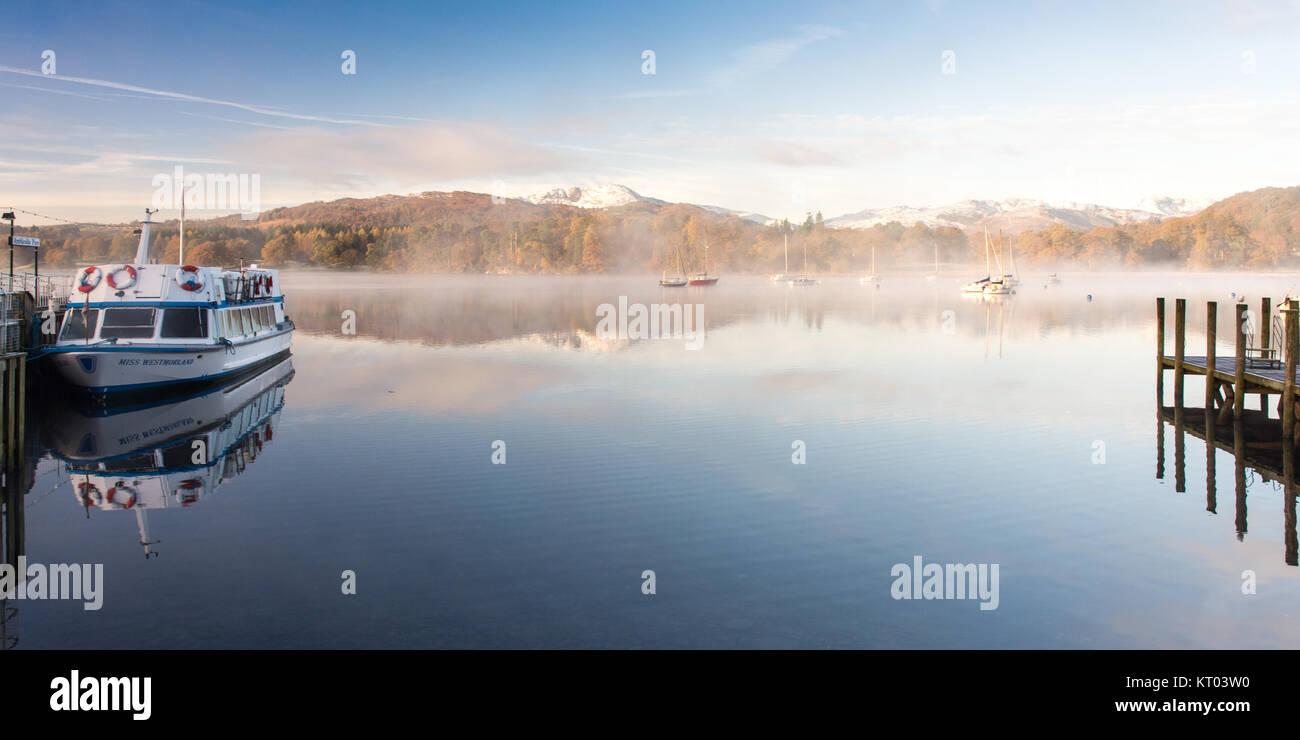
x,y
188,283
130,272
89,494
130,492
188,491
89,279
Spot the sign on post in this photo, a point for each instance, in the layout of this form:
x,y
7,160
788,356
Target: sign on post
x,y
26,241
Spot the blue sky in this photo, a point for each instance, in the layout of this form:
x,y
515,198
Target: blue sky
x,y
778,108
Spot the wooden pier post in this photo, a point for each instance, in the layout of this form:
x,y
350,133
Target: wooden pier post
x,y
1160,354
1266,318
1265,339
1180,341
1239,458
1239,382
1160,447
1288,381
1211,336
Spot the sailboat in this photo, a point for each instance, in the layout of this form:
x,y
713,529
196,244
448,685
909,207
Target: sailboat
x,y
1009,279
704,278
676,281
803,279
872,278
977,286
1005,284
782,277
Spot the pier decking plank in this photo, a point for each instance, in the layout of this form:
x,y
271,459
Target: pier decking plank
x,y
1225,368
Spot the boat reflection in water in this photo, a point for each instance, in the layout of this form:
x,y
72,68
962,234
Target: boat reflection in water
x,y
171,452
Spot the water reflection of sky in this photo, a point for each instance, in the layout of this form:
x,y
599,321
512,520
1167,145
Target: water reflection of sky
x,y
969,446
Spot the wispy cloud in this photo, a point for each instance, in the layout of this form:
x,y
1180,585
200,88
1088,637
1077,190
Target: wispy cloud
x,y
401,156
260,110
766,55
747,61
793,155
38,88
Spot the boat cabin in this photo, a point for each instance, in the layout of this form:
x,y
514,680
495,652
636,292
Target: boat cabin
x,y
172,304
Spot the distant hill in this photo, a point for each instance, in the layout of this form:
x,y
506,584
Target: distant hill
x,y
1015,215
619,230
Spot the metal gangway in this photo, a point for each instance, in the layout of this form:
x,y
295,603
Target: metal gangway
x,y
26,300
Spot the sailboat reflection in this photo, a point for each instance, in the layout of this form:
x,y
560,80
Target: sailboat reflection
x,y
170,453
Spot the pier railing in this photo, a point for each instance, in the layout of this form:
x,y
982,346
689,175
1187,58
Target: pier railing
x,y
28,303
49,291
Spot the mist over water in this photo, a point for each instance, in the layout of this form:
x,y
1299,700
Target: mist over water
x,y
962,430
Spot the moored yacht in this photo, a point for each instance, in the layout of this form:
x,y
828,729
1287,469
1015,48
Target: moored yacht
x,y
139,326
704,278
782,277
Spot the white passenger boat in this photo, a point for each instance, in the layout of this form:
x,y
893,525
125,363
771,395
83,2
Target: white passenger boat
x,y
140,326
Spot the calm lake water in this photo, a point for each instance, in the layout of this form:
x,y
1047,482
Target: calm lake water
x,y
959,430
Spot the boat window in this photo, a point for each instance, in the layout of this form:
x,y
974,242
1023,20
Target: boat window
x,y
184,323
181,454
245,321
256,313
270,315
143,462
128,323
74,326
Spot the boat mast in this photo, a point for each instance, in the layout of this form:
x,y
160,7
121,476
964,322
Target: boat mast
x,y
182,258
142,251
998,256
988,268
873,259
787,254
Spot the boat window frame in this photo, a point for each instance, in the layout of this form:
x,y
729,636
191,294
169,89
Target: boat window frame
x,y
132,330
201,312
67,321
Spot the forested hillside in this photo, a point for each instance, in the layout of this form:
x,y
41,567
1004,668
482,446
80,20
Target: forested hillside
x,y
468,232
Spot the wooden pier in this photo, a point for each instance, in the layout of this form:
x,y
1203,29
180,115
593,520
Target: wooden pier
x,y
1258,367
1263,364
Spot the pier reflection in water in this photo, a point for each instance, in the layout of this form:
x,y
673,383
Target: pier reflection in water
x,y
1255,443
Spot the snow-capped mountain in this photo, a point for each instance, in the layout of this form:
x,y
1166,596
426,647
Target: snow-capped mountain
x,y
1017,214
1174,206
596,196
757,218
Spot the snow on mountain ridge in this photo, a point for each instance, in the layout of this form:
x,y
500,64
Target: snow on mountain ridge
x,y
1016,213
597,196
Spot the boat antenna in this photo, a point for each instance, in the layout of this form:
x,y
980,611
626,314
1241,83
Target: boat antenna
x,y
182,257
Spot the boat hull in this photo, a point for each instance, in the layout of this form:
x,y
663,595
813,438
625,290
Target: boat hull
x,y
703,281
118,368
